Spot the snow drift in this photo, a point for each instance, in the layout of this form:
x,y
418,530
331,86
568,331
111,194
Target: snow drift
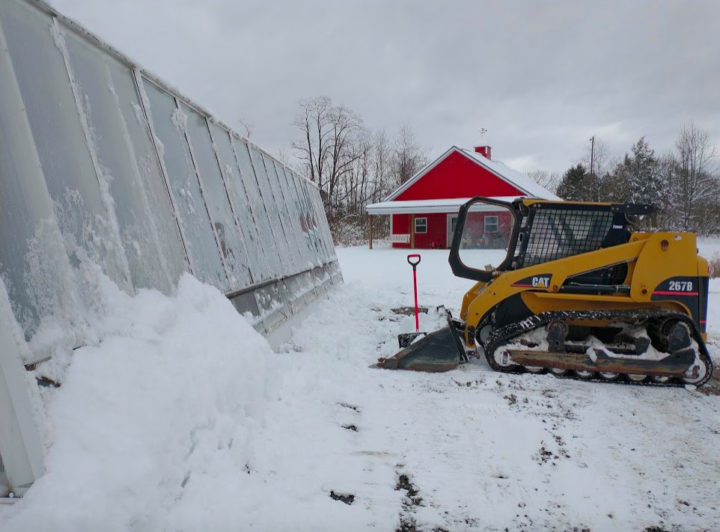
x,y
173,392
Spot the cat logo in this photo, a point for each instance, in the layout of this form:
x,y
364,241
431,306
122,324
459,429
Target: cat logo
x,y
540,282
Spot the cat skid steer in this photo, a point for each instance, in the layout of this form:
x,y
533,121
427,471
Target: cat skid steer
x,y
579,292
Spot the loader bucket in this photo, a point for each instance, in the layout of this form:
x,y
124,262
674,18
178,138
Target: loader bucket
x,y
437,351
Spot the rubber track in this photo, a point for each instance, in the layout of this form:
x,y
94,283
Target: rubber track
x,y
504,334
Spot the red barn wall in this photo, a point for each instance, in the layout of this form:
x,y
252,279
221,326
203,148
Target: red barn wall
x,y
457,176
436,231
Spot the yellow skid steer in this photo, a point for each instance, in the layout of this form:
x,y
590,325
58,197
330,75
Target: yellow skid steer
x,y
579,292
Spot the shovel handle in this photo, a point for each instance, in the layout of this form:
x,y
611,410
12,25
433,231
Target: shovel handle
x,y
414,259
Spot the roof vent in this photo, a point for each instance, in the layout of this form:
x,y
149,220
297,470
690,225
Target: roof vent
x,y
485,151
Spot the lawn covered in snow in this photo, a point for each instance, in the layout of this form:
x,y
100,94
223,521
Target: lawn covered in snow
x,y
181,417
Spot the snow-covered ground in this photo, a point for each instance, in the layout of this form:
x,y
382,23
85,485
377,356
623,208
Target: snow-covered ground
x,y
709,247
182,418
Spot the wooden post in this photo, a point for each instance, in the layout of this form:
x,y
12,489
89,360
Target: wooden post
x,y
412,231
370,223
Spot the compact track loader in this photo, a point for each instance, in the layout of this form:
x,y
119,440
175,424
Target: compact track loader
x,y
578,293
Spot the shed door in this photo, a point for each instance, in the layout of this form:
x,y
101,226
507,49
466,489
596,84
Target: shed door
x,y
451,221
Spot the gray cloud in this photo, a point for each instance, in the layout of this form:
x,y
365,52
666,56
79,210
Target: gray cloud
x,y
541,77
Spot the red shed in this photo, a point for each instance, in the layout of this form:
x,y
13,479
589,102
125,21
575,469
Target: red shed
x,y
423,210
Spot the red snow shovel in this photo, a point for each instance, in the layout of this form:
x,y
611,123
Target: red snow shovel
x,y
441,350
405,339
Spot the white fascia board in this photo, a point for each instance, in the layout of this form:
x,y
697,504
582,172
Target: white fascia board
x,y
429,206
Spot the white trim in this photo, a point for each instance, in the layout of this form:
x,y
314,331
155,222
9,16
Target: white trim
x,y
415,225
428,206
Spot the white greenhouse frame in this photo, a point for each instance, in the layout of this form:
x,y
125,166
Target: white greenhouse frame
x,y
104,164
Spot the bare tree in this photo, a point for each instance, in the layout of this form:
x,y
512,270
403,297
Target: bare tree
x,y
408,157
692,184
313,120
328,145
352,166
547,180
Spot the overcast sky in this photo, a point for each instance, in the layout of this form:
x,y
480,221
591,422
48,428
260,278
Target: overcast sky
x,y
540,77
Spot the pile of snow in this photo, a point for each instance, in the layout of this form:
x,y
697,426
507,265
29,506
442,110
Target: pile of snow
x,y
709,247
171,396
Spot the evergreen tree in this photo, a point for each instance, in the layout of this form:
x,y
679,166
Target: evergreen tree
x,y
643,173
615,186
637,179
576,185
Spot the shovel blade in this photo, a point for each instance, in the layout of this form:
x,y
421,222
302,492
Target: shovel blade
x,y
435,352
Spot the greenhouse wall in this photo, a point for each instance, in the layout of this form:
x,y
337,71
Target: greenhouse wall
x,y
103,167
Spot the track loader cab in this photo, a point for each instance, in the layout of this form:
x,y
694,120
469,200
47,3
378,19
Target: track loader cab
x,y
573,290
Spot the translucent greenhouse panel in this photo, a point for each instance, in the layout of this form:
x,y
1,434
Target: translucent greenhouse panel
x,y
294,203
239,201
305,223
216,198
306,250
324,228
87,223
316,209
328,238
272,207
298,216
119,167
272,266
171,247
33,261
321,225
311,224
169,125
287,220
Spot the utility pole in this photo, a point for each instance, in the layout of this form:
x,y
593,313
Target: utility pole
x,y
592,171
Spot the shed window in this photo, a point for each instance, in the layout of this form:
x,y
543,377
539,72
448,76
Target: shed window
x,y
491,224
420,225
